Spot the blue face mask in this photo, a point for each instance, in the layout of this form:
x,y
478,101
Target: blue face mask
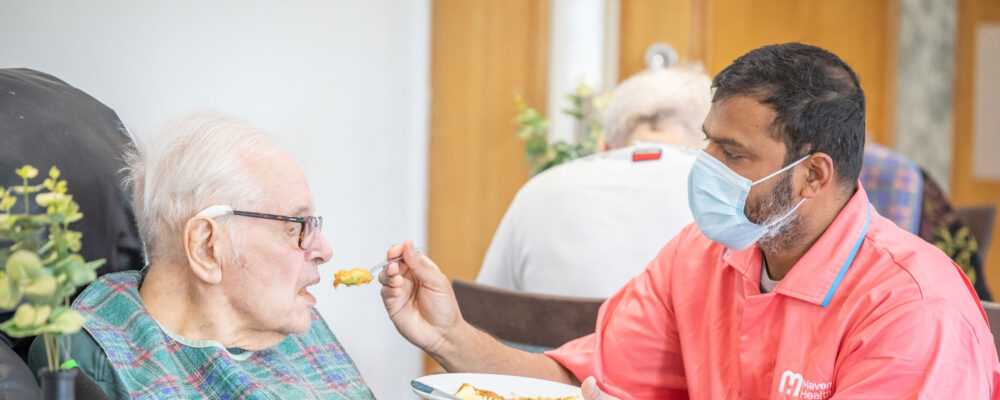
x,y
717,197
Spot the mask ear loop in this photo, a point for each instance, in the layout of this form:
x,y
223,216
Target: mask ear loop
x,y
781,170
789,213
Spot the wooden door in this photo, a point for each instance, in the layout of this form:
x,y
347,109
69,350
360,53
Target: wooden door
x,y
483,53
862,32
966,189
644,22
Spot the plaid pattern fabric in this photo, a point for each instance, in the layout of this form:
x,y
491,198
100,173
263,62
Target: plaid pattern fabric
x,y
151,365
894,186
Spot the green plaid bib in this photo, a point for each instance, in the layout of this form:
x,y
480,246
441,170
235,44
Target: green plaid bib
x,y
151,364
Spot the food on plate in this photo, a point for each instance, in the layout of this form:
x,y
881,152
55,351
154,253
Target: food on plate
x,y
351,277
468,392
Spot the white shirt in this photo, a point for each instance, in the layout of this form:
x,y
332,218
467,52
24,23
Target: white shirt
x,y
767,284
585,228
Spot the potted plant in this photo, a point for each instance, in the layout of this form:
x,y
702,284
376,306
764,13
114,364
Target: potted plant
x,y
41,268
533,127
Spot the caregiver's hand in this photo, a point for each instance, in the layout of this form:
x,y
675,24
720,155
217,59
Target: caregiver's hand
x,y
419,298
422,305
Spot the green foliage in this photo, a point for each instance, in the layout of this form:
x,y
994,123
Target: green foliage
x,y
542,155
959,247
42,265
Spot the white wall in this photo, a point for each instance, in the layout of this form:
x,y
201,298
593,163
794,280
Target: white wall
x,y
577,55
343,85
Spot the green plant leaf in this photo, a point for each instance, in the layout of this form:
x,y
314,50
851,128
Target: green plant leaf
x,y
73,239
42,290
10,292
26,189
7,203
601,101
45,199
11,329
23,266
64,321
535,147
74,217
28,315
81,274
26,172
94,265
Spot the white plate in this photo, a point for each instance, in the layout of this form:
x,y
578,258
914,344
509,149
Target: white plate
x,y
504,385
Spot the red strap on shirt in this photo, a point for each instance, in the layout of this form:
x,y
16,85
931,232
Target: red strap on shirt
x,y
646,155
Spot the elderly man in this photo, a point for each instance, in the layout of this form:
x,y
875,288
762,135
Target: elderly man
x,y
788,286
607,214
223,310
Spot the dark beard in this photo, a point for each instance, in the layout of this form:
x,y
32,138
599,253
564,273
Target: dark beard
x,y
773,206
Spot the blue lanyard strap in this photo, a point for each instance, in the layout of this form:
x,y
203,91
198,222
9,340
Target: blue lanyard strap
x,y
850,259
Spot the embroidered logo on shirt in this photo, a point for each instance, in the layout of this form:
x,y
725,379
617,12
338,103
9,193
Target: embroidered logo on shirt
x,y
793,385
646,155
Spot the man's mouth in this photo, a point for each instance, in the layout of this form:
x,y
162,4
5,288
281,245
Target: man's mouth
x,y
304,292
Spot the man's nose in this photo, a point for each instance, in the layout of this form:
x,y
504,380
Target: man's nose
x,y
320,252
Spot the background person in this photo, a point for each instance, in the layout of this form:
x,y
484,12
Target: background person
x,y
607,214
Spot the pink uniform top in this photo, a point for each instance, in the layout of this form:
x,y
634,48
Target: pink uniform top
x,y
870,311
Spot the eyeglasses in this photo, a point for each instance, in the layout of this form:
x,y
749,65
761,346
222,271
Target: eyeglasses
x,y
307,230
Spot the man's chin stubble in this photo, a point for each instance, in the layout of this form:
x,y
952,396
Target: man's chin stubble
x,y
782,237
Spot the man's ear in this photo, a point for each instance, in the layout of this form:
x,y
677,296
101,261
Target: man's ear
x,y
201,240
819,175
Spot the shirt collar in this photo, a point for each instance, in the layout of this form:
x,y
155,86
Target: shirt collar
x,y
816,276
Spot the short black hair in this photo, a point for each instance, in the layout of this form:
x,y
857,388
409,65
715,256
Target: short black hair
x,y
817,97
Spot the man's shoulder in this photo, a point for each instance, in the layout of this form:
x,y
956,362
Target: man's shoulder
x,y
914,260
689,247
113,282
902,268
109,288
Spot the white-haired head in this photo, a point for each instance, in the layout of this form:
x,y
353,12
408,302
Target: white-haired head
x,y
195,161
677,98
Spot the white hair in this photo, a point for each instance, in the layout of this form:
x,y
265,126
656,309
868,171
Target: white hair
x,y
195,161
679,95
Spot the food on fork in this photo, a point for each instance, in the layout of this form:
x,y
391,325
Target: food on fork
x,y
351,277
468,392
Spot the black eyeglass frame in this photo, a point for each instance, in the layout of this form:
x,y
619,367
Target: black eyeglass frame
x,y
316,222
